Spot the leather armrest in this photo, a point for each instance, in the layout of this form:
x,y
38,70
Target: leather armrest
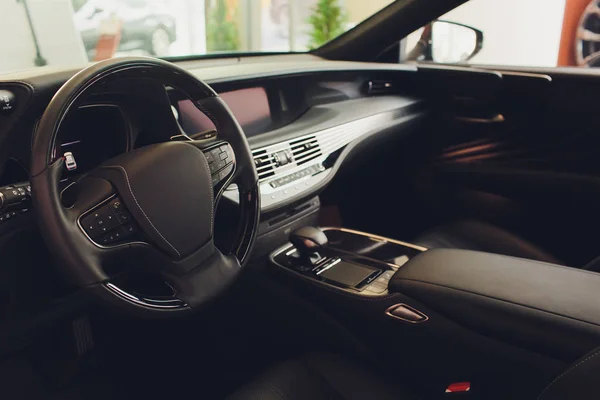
x,y
546,308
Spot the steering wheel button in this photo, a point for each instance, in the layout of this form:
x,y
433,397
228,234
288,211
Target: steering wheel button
x,y
116,204
123,217
127,230
223,156
215,153
221,164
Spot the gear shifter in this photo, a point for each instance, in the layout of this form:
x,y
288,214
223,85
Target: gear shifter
x,y
308,241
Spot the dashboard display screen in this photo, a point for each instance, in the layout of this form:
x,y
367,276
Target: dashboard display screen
x,y
250,106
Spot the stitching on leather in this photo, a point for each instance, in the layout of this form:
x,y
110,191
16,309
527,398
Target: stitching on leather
x,y
212,194
567,372
497,299
140,207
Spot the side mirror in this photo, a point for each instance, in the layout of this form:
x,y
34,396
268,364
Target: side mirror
x,y
453,43
443,42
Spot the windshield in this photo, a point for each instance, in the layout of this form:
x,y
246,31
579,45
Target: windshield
x,y
73,32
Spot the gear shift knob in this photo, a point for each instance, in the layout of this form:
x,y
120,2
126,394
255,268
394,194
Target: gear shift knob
x,y
308,240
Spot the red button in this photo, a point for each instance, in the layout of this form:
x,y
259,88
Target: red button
x,y
459,387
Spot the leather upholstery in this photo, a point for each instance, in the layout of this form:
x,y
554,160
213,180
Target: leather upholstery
x,y
543,307
168,189
480,236
318,377
579,381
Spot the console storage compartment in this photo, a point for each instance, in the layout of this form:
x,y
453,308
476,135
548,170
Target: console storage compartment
x,y
546,308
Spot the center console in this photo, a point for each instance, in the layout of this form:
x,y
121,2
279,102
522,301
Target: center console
x,y
549,309
352,261
454,315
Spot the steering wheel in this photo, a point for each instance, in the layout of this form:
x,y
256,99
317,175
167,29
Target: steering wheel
x,y
152,208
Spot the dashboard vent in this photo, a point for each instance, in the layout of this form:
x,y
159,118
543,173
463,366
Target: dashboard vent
x,y
380,87
305,150
264,164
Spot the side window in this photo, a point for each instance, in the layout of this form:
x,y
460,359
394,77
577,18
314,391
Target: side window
x,y
533,33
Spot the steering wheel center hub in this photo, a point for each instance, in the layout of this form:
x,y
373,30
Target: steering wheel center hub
x,y
168,189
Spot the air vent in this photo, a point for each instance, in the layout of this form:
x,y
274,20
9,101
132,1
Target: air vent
x,y
380,87
305,150
264,164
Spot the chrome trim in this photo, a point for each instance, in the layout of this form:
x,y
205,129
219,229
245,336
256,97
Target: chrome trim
x,y
329,140
390,308
355,292
151,303
376,237
92,240
328,266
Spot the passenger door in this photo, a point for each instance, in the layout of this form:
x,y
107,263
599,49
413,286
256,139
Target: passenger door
x,y
518,144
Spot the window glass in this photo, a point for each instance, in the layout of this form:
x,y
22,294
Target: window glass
x,y
73,32
538,33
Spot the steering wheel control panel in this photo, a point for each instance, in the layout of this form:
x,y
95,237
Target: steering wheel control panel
x,y
15,200
220,161
109,224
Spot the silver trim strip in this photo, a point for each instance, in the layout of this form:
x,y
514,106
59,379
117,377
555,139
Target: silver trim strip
x,y
335,262
376,237
388,312
329,140
151,303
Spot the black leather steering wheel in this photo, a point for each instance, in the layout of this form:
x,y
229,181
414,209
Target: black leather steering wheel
x,y
159,200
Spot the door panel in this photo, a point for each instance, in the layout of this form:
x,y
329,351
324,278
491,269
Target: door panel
x,y
519,149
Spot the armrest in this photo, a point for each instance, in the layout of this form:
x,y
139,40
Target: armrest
x,y
546,308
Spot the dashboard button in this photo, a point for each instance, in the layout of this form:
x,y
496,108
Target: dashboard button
x,y
8,101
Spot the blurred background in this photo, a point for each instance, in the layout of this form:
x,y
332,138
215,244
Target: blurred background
x,y
543,33
63,32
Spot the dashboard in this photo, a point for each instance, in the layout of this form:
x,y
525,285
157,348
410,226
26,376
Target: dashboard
x,y
302,115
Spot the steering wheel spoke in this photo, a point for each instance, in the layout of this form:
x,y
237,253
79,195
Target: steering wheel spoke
x,y
205,281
